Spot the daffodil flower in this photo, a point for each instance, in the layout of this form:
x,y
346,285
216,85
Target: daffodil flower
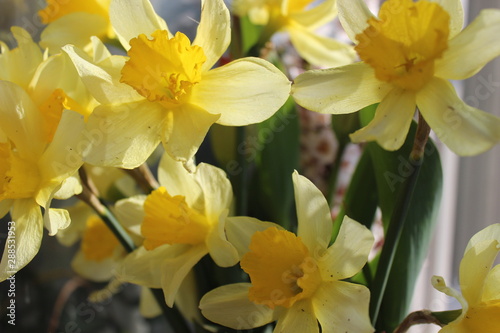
x,y
166,90
182,221
409,53
296,280
300,21
74,22
480,285
38,144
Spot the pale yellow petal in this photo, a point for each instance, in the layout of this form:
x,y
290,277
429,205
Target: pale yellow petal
x,y
73,28
313,214
342,307
243,92
319,50
240,230
26,237
349,253
472,49
148,306
55,219
340,90
188,298
99,50
392,120
214,31
491,289
229,306
456,12
474,269
220,249
491,232
69,187
142,267
62,158
317,16
300,318
184,130
21,62
353,15
21,120
103,83
178,181
123,135
97,271
464,129
216,187
130,213
175,268
132,18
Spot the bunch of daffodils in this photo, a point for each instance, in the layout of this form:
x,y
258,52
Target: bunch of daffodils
x,y
225,233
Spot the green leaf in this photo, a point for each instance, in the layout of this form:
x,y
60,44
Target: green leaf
x,y
277,149
392,170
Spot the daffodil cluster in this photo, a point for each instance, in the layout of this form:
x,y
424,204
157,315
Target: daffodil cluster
x,y
225,232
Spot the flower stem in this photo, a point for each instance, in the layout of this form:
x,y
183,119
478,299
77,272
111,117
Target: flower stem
x,y
242,177
143,177
416,318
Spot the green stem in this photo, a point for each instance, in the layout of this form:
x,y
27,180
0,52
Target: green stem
x,y
242,177
334,175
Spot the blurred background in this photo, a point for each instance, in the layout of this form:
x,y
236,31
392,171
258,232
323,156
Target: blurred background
x,y
51,298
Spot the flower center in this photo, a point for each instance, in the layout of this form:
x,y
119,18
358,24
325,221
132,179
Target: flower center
x,y
19,178
163,70
169,220
56,8
280,268
404,43
98,242
483,317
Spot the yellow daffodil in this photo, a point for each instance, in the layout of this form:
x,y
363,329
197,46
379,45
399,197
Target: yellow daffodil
x,y
409,53
296,280
182,221
166,90
74,22
301,21
480,285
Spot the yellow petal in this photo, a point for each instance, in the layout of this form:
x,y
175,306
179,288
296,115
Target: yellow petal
x,y
132,18
317,16
464,129
97,271
340,90
175,268
462,59
214,31
300,318
178,181
74,28
491,232
319,50
349,253
243,92
217,190
313,214
342,307
392,120
456,11
185,129
102,82
240,230
474,269
5,206
55,219
354,16
491,289
122,135
220,249
19,64
142,266
27,236
148,306
21,120
229,306
130,213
